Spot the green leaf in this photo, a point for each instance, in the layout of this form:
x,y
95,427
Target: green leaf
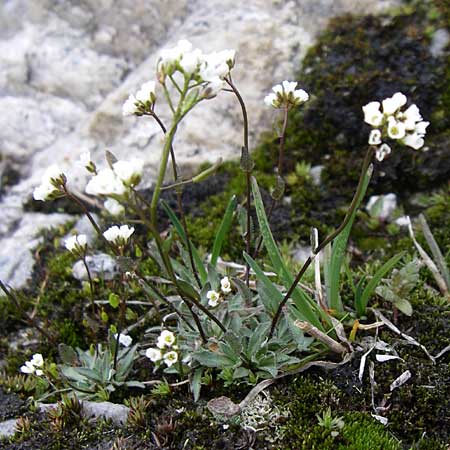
x,y
179,228
404,306
67,354
272,292
338,249
309,309
196,383
374,282
212,359
223,230
240,372
114,300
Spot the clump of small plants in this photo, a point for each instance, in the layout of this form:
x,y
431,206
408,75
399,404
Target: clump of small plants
x,y
209,321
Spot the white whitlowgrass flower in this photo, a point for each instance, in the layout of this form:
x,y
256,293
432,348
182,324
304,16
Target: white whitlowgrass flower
x,y
213,298
372,114
114,207
124,339
130,107
118,236
414,141
213,87
217,65
50,185
382,151
394,103
106,182
406,126
147,92
28,368
169,57
34,365
165,339
37,360
130,172
191,61
225,285
375,137
170,358
154,354
76,244
286,95
396,130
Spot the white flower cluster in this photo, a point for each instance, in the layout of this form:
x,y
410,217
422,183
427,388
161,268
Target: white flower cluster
x,y
76,244
116,180
209,68
142,102
124,339
390,121
118,235
51,183
166,350
34,366
214,297
286,95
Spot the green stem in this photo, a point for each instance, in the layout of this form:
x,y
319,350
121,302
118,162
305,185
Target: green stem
x,y
282,138
327,240
248,236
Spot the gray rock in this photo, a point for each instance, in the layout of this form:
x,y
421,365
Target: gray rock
x,y
316,174
439,42
66,68
107,410
7,428
100,266
382,206
117,413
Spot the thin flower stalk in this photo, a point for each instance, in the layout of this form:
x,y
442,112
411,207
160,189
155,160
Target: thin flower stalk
x,y
366,164
248,173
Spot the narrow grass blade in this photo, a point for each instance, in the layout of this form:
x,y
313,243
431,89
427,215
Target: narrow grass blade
x,y
224,228
179,228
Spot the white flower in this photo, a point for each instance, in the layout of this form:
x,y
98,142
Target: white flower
x,y
154,354
421,127
106,182
394,103
396,130
39,372
213,87
169,56
170,358
76,243
372,114
217,64
213,298
411,116
375,137
49,187
124,339
382,151
28,368
118,235
165,339
130,172
37,360
191,61
285,94
147,92
130,107
225,285
114,207
414,141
